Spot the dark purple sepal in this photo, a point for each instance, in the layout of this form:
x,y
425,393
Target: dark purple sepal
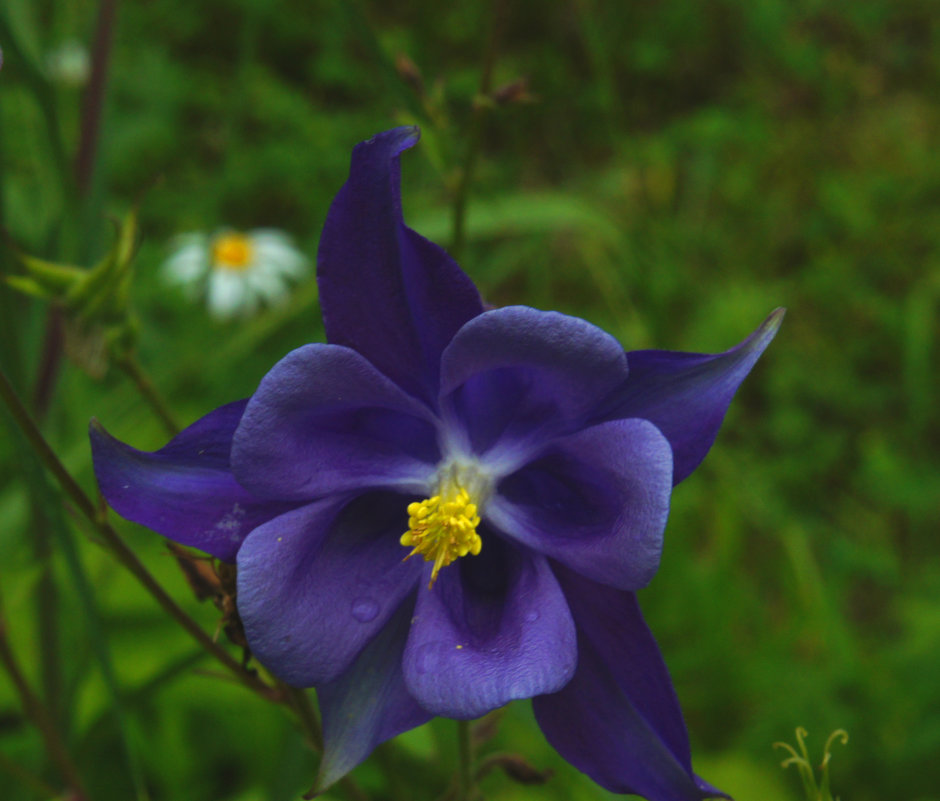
x,y
318,583
618,720
369,703
184,491
686,395
385,291
494,628
597,501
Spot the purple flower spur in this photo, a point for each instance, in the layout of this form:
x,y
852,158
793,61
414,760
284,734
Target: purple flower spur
x,y
448,507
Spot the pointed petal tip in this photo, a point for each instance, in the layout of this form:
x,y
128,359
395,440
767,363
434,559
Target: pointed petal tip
x,y
774,320
325,779
396,140
709,790
185,490
757,342
102,441
765,332
367,705
416,295
686,395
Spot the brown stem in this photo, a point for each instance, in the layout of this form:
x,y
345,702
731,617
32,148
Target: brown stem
x,y
93,100
117,546
49,361
129,364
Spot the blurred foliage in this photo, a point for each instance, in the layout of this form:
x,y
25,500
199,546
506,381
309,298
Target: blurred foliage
x,y
678,171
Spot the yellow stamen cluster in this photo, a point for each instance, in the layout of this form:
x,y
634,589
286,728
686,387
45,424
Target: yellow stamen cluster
x,y
442,529
232,251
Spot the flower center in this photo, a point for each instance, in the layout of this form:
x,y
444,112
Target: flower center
x,y
443,527
232,251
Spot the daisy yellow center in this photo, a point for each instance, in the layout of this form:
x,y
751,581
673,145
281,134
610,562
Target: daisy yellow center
x,y
232,252
443,528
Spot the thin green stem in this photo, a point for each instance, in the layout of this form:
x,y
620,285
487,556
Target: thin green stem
x,y
119,549
36,711
464,761
148,391
481,107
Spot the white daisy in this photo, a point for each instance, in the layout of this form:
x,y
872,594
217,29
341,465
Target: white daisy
x,y
235,270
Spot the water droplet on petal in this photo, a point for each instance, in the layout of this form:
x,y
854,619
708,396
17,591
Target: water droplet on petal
x,y
364,609
531,617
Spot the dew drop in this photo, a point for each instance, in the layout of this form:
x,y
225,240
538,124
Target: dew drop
x,y
364,609
531,617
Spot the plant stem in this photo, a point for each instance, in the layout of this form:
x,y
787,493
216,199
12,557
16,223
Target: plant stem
x,y
49,361
117,546
132,368
480,109
464,761
34,709
47,593
295,698
93,100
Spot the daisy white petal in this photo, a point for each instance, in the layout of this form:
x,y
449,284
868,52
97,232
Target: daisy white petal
x,y
226,294
266,285
188,264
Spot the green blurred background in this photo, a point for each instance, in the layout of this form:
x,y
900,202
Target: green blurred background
x,y
673,172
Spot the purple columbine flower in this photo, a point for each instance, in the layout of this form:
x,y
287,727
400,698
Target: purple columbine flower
x,y
448,508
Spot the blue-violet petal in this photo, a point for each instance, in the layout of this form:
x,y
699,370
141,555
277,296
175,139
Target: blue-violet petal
x,y
618,719
494,628
317,584
368,703
184,491
597,501
686,395
323,421
515,376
